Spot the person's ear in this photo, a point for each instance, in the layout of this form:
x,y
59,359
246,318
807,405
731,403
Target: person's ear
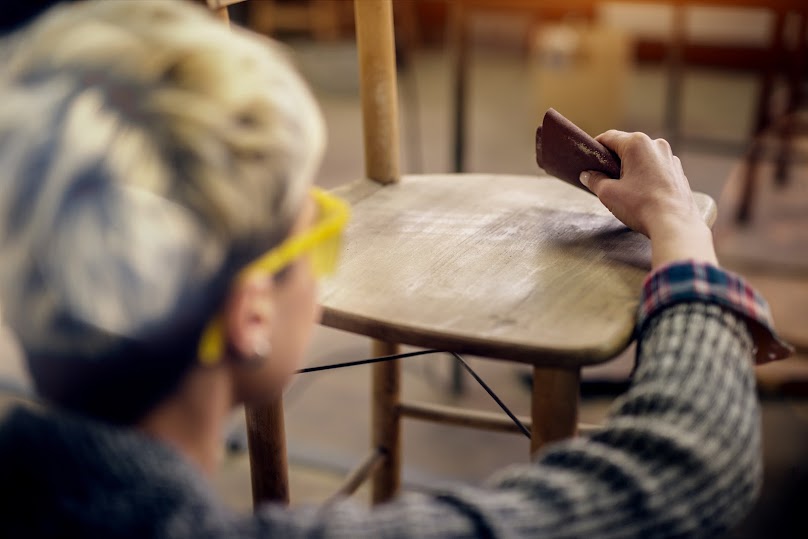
x,y
248,319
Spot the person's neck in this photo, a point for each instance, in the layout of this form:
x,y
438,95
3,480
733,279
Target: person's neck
x,y
193,419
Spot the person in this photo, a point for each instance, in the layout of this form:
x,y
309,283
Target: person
x,y
161,245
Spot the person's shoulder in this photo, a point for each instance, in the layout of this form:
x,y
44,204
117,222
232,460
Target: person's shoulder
x,y
22,431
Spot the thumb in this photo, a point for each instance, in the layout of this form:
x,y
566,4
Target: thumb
x,y
592,180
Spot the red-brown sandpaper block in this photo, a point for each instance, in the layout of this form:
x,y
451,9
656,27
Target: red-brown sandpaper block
x,y
564,150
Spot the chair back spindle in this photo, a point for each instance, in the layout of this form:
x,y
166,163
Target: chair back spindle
x,y
378,92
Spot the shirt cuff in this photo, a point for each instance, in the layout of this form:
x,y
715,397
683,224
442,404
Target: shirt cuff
x,y
687,281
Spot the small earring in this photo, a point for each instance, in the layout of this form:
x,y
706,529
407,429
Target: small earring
x,y
260,353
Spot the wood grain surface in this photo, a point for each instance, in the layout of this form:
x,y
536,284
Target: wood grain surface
x,y
522,268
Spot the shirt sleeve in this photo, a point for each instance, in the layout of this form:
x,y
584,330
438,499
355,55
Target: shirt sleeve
x,y
688,281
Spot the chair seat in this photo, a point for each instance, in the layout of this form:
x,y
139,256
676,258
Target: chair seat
x,y
522,268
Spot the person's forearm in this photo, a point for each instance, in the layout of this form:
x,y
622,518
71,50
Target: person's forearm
x,y
679,456
692,416
674,241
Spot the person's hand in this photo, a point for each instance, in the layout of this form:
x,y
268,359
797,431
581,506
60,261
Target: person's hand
x,y
653,197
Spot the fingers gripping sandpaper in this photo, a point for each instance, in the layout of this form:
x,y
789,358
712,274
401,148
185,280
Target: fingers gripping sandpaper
x,y
564,150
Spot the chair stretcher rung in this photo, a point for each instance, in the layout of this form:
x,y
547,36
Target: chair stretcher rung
x,y
464,418
472,418
359,475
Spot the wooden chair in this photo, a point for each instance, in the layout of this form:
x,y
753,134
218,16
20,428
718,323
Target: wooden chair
x,y
514,268
782,126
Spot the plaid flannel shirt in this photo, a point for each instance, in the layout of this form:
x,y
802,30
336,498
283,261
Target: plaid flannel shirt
x,y
687,281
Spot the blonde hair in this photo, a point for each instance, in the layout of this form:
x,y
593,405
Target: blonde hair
x,y
147,152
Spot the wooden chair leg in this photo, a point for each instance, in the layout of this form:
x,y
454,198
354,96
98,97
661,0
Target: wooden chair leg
x,y
676,67
266,438
554,408
786,137
386,423
762,120
749,177
795,78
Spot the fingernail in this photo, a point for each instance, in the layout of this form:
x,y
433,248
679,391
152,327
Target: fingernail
x,y
584,178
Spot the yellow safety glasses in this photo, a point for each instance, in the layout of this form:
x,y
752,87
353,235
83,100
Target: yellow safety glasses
x,y
322,243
